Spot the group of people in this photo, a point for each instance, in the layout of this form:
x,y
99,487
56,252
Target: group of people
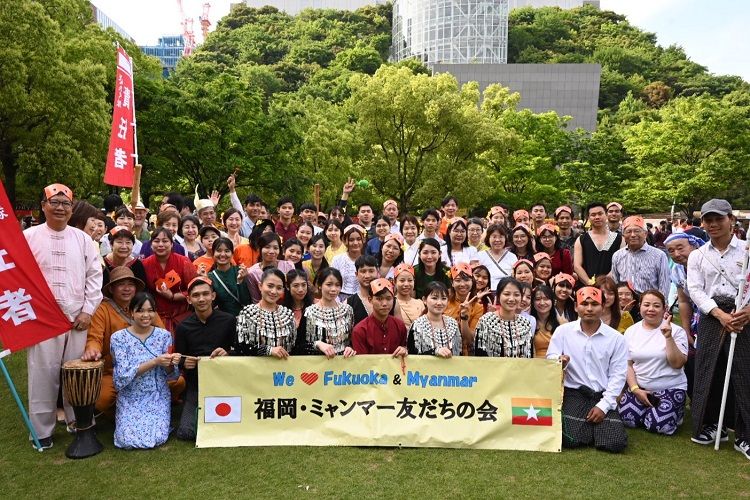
x,y
523,284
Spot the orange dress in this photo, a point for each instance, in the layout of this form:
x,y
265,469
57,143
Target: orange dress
x,y
453,309
245,254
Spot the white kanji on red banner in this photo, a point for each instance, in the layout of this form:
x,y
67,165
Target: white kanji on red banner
x,y
4,266
121,158
17,306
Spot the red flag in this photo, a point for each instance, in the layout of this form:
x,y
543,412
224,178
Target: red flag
x,y
29,313
120,160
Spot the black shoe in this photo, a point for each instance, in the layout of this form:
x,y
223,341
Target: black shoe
x,y
185,435
46,443
743,447
708,435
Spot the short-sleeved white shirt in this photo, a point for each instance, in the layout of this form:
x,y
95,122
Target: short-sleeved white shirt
x,y
648,351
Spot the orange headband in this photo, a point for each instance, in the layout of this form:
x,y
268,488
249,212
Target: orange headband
x,y
633,220
519,213
546,227
389,202
564,277
403,268
55,189
540,256
380,284
461,267
563,208
394,236
523,261
588,292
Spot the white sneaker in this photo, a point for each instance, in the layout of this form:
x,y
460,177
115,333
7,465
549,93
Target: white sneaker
x,y
743,447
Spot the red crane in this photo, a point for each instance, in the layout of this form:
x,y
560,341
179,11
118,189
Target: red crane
x,y
205,23
187,31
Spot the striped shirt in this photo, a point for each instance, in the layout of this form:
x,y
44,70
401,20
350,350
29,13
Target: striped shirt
x,y
646,268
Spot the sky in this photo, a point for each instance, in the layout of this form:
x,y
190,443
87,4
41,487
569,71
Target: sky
x,y
713,33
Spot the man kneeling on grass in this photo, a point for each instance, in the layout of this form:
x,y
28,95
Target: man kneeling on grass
x,y
380,333
595,360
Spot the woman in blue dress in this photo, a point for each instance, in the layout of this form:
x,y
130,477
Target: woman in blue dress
x,y
142,365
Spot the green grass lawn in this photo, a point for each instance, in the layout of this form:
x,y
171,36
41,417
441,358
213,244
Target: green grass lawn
x,y
652,466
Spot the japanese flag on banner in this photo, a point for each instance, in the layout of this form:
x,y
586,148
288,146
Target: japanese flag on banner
x,y
222,409
29,313
120,160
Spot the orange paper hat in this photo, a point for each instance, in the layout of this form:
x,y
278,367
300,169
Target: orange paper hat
x,y
497,209
546,227
55,189
117,229
563,208
170,279
540,256
394,236
380,284
354,227
588,292
519,213
563,277
461,267
523,261
403,268
615,204
634,220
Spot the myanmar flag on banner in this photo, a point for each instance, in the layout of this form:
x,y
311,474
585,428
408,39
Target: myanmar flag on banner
x,y
532,411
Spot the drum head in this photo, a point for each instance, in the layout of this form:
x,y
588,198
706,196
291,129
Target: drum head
x,y
78,364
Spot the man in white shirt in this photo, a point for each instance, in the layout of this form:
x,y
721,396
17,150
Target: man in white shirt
x,y
595,360
713,279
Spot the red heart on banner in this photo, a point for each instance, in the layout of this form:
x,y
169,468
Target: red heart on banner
x,y
309,378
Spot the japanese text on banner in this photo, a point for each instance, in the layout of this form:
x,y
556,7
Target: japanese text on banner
x,y
491,403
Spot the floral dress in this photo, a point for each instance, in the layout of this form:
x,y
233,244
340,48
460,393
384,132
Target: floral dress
x,y
143,401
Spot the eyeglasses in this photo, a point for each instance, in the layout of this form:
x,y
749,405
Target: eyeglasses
x,y
547,237
60,203
474,230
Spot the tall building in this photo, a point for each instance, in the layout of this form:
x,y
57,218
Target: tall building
x,y
105,22
294,7
451,31
168,50
563,4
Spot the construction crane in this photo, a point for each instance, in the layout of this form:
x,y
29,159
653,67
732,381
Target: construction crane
x,y
187,31
205,23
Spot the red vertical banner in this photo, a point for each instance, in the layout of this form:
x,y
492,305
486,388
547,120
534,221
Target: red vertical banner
x,y
120,159
29,313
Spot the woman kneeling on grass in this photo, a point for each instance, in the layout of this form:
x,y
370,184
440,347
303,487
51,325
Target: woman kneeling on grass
x,y
142,365
657,351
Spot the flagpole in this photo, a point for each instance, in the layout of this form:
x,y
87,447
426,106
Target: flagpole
x,y
136,192
21,408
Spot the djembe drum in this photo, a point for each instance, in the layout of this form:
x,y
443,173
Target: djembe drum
x,y
82,382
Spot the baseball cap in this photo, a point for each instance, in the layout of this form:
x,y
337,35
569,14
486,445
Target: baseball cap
x,y
716,206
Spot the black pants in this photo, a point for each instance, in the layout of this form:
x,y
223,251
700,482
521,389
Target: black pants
x,y
717,388
189,418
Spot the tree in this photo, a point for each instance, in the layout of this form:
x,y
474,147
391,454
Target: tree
x,y
527,150
409,124
697,148
207,122
53,108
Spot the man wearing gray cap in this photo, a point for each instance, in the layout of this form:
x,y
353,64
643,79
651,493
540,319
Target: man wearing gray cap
x,y
713,278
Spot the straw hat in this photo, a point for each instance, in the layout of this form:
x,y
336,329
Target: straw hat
x,y
122,273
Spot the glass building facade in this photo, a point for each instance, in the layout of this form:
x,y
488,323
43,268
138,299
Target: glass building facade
x,y
451,31
168,50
